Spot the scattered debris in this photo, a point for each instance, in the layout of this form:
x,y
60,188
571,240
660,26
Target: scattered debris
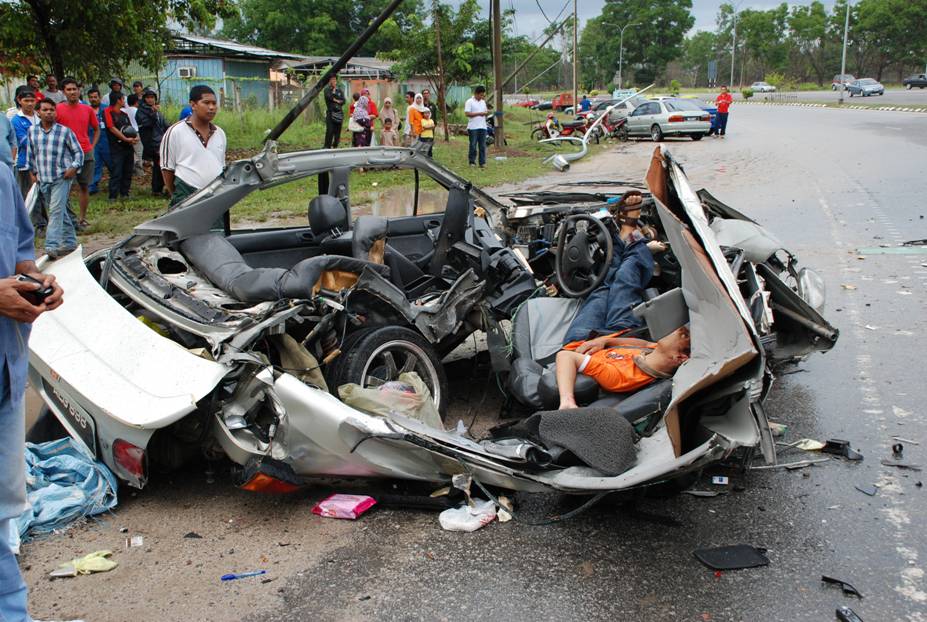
x,y
506,507
778,429
93,562
847,286
870,327
137,541
898,411
241,575
905,440
809,444
467,517
732,557
868,490
193,535
898,450
349,507
705,493
791,466
847,588
845,614
902,465
720,480
840,447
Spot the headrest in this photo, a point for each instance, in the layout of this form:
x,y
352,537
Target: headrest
x,y
367,230
327,213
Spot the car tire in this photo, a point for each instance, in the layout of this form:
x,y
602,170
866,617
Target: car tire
x,y
46,428
697,136
363,357
656,133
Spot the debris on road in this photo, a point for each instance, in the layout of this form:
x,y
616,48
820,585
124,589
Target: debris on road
x,y
901,439
468,518
241,575
92,562
733,557
778,429
847,286
845,614
193,535
720,480
63,483
868,490
137,541
902,465
847,588
791,466
348,507
840,447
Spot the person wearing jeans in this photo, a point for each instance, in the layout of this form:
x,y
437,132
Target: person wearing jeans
x,y
55,157
101,151
476,111
121,147
17,312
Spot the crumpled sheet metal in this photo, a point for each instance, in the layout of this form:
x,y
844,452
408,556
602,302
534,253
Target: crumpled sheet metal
x,y
63,483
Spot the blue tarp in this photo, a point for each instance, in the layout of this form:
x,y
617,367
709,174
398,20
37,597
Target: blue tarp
x,y
63,483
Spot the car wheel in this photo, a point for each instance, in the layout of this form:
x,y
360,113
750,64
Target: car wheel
x,y
697,136
373,356
46,428
656,133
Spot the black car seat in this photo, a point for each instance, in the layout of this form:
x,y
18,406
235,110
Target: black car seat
x,y
330,223
370,242
453,227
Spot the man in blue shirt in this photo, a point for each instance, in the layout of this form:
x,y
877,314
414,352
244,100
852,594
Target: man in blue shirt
x,y
17,312
7,141
584,104
101,155
55,157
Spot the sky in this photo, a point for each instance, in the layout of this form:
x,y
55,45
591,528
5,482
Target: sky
x,y
529,20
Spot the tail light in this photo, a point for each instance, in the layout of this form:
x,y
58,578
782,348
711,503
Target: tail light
x,y
705,117
269,476
130,462
677,118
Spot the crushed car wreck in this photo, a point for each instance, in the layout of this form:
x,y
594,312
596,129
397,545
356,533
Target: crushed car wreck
x,y
182,340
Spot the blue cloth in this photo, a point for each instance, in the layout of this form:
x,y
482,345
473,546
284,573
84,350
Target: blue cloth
x,y
477,143
54,151
64,483
185,112
21,125
16,246
13,592
585,104
60,234
7,141
608,308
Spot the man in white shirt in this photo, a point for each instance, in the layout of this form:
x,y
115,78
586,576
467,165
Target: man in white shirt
x,y
193,150
131,109
407,126
476,112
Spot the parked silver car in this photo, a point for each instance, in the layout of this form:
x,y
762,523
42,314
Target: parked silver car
x,y
865,87
669,117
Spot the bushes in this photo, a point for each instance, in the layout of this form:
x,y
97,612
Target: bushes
x,y
674,87
747,92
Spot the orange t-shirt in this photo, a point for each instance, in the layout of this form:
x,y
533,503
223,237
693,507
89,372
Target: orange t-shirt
x,y
614,369
415,120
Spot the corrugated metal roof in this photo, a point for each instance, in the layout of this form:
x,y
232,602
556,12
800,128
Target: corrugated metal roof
x,y
367,62
234,47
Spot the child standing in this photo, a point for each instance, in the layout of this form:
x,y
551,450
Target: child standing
x,y
388,137
428,131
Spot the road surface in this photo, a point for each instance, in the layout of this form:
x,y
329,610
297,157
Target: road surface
x,y
836,185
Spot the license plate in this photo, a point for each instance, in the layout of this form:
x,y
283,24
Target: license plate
x,y
79,421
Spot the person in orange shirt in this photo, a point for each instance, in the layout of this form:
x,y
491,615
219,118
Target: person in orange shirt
x,y
416,114
619,364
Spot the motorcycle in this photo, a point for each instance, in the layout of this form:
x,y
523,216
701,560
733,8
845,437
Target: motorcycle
x,y
543,131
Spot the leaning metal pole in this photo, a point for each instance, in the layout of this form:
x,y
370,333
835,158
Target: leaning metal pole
x,y
306,99
843,60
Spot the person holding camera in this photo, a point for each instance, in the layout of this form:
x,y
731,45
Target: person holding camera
x,y
25,294
122,140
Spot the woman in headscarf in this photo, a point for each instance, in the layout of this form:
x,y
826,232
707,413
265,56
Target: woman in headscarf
x,y
389,112
371,113
415,115
361,119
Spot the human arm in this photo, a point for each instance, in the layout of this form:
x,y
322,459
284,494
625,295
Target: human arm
x,y
609,341
168,177
77,155
167,160
95,125
568,363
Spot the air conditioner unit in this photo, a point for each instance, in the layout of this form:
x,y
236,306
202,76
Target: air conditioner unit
x,y
186,72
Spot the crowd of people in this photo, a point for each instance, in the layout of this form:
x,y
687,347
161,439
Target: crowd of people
x,y
54,138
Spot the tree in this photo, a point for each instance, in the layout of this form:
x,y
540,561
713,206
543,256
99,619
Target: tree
x,y
893,31
699,50
321,27
764,34
811,37
57,36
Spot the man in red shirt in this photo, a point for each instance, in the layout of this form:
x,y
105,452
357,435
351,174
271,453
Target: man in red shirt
x,y
724,103
80,118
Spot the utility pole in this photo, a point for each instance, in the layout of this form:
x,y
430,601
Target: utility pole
x,y
442,101
621,53
843,60
521,66
733,47
497,70
575,58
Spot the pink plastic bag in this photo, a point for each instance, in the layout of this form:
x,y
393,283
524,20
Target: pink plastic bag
x,y
344,506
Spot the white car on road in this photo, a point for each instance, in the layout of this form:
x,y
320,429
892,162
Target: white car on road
x,y
763,87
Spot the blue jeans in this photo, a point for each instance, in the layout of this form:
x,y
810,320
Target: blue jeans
x,y
608,308
100,158
12,497
477,142
722,123
60,235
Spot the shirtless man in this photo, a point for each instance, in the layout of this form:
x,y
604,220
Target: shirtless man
x,y
620,365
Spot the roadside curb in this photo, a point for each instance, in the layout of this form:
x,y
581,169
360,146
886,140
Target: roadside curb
x,y
837,107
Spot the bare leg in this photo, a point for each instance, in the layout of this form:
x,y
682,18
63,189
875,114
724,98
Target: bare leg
x,y
567,364
83,198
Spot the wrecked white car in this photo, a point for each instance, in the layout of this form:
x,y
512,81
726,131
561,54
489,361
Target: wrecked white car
x,y
183,339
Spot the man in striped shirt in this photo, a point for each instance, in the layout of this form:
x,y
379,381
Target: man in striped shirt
x,y
55,157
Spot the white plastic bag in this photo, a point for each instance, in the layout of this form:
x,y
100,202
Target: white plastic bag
x,y
414,402
467,517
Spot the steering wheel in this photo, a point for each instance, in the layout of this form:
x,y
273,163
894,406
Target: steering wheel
x,y
584,255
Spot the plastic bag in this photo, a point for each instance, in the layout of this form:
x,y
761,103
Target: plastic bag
x,y
409,397
93,562
344,506
467,517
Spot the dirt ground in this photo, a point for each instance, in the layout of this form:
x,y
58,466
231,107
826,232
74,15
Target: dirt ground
x,y
196,526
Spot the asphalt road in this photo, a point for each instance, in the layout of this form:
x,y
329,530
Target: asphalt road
x,y
892,97
835,185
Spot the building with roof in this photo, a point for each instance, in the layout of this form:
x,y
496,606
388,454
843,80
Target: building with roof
x,y
240,74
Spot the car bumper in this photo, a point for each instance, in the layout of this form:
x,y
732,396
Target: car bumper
x,y
687,127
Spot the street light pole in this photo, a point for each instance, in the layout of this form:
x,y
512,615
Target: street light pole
x,y
843,60
621,53
733,47
575,27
